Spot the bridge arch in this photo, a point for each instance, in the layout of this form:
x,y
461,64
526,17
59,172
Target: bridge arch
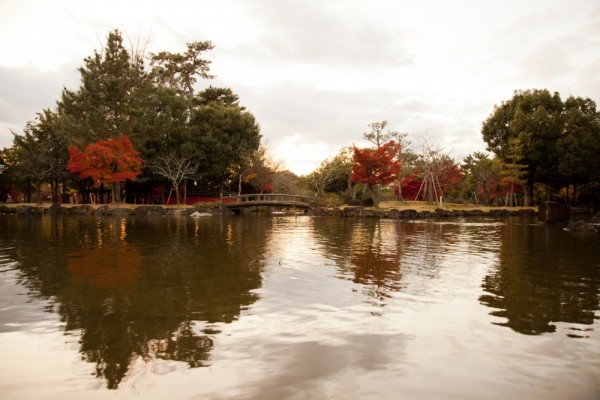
x,y
275,200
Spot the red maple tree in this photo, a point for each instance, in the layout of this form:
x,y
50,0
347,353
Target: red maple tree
x,y
410,185
107,161
450,176
445,175
376,166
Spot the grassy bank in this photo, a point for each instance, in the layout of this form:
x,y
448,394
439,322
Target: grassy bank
x,y
424,206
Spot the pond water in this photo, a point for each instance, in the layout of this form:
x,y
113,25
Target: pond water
x,y
297,308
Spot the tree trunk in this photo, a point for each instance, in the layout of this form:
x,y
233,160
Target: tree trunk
x,y
117,192
169,197
53,190
65,194
373,196
28,191
85,199
175,187
528,194
430,192
185,192
350,189
399,186
38,190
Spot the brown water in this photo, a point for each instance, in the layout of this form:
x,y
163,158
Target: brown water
x,y
297,308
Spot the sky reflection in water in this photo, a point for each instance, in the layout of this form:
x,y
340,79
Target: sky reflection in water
x,y
259,307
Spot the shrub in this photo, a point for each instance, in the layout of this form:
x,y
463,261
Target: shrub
x,y
331,200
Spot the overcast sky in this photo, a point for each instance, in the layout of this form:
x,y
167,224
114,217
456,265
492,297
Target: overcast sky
x,y
315,73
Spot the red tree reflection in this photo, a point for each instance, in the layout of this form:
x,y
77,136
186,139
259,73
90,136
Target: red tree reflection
x,y
113,265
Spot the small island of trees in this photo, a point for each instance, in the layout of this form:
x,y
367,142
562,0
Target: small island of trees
x,y
133,128
137,130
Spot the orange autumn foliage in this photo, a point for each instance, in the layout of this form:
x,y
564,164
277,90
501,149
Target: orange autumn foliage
x,y
106,160
376,166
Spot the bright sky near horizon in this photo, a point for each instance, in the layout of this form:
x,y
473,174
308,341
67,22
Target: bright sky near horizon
x,y
316,73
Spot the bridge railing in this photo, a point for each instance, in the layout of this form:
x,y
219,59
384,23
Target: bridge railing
x,y
269,197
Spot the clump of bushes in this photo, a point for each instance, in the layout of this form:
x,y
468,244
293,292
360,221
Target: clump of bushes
x,y
203,205
331,200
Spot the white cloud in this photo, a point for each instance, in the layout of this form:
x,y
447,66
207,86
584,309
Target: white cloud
x,y
302,156
316,73
26,91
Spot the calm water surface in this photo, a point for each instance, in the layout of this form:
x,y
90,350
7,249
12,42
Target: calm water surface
x,y
297,308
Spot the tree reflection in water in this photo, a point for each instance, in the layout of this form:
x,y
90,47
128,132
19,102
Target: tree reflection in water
x,y
375,260
545,276
157,292
142,289
384,255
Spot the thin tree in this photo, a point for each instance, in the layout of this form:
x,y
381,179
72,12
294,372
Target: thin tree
x,y
175,168
513,171
332,174
433,164
263,168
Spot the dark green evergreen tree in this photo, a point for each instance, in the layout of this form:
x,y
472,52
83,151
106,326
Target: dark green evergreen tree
x,y
114,98
41,154
579,144
557,141
224,134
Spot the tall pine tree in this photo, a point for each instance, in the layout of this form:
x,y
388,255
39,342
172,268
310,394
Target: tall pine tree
x,y
114,97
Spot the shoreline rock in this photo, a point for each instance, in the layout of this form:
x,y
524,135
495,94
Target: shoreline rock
x,y
552,212
346,212
581,227
411,214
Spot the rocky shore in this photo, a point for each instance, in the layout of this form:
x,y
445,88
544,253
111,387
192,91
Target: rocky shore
x,y
157,210
394,213
102,210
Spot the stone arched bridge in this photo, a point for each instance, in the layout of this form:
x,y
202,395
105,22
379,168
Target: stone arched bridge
x,y
275,200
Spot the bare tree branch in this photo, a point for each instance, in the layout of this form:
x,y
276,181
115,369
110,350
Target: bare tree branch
x,y
175,168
